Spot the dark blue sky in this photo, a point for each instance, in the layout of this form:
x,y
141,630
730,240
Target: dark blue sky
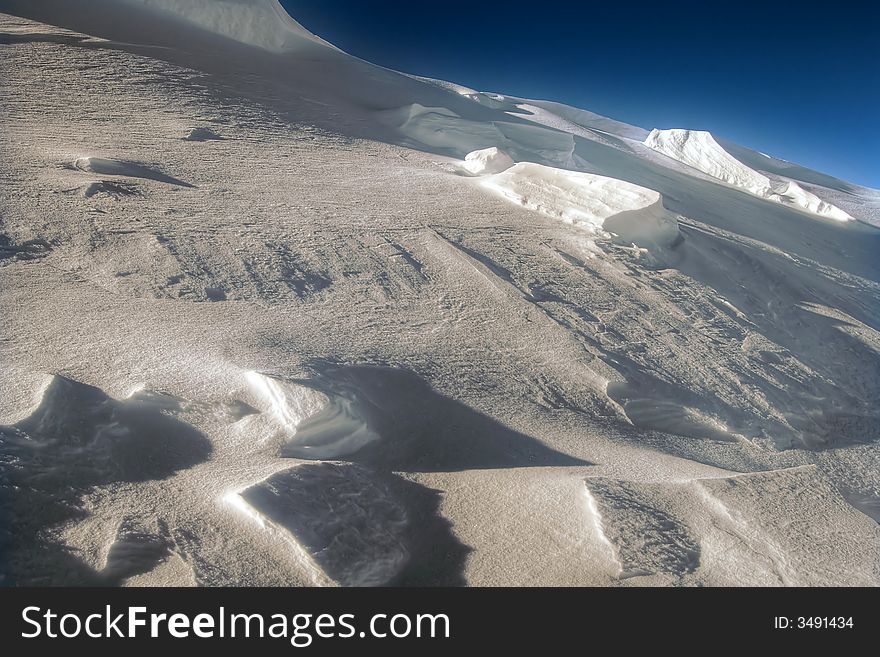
x,y
785,78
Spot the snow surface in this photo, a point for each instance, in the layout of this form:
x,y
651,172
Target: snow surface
x,y
311,352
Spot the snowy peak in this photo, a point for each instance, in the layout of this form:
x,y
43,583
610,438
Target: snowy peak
x,y
700,150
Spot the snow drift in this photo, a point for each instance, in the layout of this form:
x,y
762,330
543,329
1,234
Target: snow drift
x,y
448,131
700,150
486,161
260,23
591,202
465,365
314,425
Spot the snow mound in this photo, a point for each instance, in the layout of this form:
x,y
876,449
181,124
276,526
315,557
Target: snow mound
x,y
202,134
260,23
793,194
487,160
315,425
596,203
698,149
78,436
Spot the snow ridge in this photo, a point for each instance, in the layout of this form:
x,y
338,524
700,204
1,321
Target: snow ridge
x,y
260,23
700,150
594,203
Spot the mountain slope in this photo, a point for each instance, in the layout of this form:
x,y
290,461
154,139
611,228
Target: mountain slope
x,y
588,363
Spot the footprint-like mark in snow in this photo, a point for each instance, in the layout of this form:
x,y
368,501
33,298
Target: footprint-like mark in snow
x,y
109,188
27,250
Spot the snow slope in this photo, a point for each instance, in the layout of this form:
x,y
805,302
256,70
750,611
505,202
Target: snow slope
x,y
259,329
585,118
260,23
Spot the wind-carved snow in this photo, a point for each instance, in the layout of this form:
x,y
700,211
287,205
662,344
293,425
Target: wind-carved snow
x,y
744,511
646,540
790,193
343,516
585,118
300,553
315,425
516,358
75,439
698,149
441,127
594,203
486,161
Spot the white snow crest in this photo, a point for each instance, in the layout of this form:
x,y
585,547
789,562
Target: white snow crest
x,y
596,203
700,150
